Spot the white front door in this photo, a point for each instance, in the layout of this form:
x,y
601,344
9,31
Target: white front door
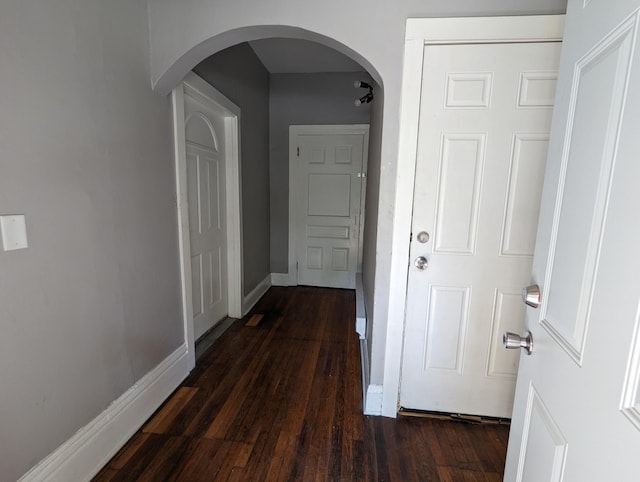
x,y
206,193
329,165
577,410
485,114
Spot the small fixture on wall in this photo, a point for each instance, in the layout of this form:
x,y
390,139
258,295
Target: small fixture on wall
x,y
365,99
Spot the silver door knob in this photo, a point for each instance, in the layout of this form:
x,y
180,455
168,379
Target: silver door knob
x,y
531,296
513,341
421,263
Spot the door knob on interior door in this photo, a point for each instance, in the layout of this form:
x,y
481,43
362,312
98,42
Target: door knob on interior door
x,y
421,263
513,341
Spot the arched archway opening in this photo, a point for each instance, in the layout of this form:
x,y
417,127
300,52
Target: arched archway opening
x,y
224,41
188,60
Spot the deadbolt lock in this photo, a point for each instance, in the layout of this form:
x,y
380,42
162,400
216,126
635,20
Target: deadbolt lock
x,y
531,296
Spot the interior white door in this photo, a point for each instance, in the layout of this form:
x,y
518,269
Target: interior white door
x,y
485,114
577,411
206,196
329,183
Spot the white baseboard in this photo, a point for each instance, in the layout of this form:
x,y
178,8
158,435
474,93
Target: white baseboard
x,y
361,330
361,312
371,394
364,362
279,279
258,292
85,453
373,403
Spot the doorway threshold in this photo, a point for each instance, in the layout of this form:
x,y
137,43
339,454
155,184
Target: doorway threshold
x,y
456,417
208,339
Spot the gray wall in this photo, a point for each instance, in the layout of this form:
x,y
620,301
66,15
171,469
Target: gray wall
x,y
302,99
240,76
85,153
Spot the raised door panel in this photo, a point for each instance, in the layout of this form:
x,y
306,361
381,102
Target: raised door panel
x,y
468,90
528,161
537,89
197,284
329,195
448,316
544,448
461,167
599,87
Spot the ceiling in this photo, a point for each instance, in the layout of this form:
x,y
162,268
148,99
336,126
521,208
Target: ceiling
x,y
290,56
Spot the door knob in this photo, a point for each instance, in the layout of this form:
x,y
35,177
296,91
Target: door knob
x,y
421,263
531,296
513,341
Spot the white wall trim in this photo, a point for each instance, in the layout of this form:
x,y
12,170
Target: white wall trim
x,y
294,132
196,86
85,453
256,293
366,371
421,32
361,310
458,30
279,279
373,403
361,330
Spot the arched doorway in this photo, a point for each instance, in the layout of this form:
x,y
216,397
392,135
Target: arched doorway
x,y
224,42
187,61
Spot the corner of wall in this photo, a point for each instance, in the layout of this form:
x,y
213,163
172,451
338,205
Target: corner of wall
x,y
279,279
258,292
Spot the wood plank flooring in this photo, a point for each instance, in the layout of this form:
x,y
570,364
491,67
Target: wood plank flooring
x,y
281,401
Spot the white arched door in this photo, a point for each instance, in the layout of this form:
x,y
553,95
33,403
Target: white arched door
x,y
208,197
206,194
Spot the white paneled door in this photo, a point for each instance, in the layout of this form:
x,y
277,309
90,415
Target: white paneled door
x,y
330,167
577,409
485,113
205,146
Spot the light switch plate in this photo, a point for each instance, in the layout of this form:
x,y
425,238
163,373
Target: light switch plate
x,y
14,232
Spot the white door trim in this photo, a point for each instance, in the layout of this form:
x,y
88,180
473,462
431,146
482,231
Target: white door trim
x,y
421,32
294,132
198,87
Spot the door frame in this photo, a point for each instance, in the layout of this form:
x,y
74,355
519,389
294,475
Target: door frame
x,y
300,130
196,86
419,33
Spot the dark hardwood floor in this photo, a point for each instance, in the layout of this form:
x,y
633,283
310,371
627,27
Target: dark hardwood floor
x,y
282,401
